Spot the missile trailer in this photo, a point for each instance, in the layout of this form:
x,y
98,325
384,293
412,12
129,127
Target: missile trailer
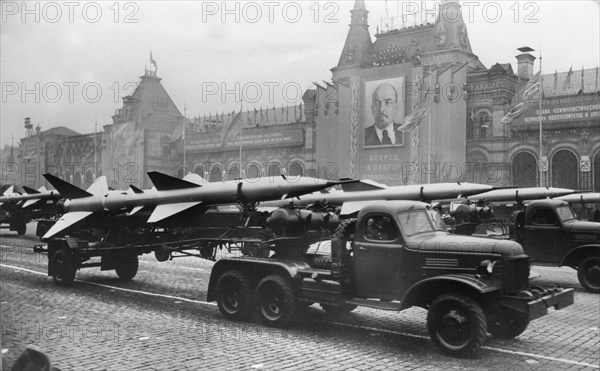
x,y
391,257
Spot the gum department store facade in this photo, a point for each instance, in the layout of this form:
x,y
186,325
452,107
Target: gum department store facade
x,y
432,70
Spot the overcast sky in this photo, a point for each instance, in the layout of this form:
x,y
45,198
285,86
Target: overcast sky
x,y
70,63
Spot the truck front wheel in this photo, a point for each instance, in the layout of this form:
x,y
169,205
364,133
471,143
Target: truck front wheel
x,y
456,325
276,301
62,268
21,228
588,274
235,295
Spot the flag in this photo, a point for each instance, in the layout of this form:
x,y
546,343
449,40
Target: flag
x,y
567,82
416,116
525,98
255,112
274,114
555,80
152,60
596,78
234,128
582,80
262,117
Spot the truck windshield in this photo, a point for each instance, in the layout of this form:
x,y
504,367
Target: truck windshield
x,y
415,221
565,213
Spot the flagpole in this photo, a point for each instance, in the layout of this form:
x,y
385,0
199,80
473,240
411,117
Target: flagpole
x,y
95,149
429,137
240,137
540,93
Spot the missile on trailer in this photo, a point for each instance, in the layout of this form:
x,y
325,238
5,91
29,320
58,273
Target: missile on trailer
x,y
592,198
173,195
355,195
521,194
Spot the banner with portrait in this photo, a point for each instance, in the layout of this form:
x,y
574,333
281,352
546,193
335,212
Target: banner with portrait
x,y
383,113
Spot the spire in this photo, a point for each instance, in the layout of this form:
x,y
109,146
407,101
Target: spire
x,y
450,29
358,42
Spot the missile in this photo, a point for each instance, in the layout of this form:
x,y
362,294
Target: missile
x,y
171,195
521,194
355,195
8,195
31,196
591,197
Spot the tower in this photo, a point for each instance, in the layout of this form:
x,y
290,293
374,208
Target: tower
x,y
29,132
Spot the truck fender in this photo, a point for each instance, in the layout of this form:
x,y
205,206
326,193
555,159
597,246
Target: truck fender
x,y
259,267
573,257
423,292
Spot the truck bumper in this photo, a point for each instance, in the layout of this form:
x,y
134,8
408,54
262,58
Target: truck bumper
x,y
535,303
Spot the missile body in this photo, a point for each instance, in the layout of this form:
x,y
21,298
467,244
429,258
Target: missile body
x,y
521,194
173,195
592,197
355,195
32,196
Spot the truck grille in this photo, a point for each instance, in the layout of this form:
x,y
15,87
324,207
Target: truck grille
x,y
514,273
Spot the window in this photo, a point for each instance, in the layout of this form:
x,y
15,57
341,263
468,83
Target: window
x,y
544,216
380,228
416,221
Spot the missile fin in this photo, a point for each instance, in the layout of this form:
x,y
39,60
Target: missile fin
x,y
66,221
135,189
166,210
9,190
29,203
30,191
66,190
164,182
135,210
194,178
363,185
99,187
352,207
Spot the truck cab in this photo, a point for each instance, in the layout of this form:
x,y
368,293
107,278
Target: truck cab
x,y
551,234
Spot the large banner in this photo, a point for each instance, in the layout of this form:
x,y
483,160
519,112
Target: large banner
x,y
268,137
564,113
383,113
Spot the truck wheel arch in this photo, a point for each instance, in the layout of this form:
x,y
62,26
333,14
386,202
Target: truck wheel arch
x,y
259,268
422,293
573,257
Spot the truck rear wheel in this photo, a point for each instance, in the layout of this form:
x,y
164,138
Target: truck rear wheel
x,y
276,301
235,295
126,266
588,274
456,325
62,268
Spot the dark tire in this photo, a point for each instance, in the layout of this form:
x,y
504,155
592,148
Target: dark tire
x,y
62,268
456,325
507,329
21,228
339,309
235,295
126,266
588,274
276,301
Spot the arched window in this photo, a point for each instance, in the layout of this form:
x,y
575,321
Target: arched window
x,y
215,174
295,169
253,171
198,169
77,179
274,170
524,170
596,170
180,172
565,170
233,172
484,124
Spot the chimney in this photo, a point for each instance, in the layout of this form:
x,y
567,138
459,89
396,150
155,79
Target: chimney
x,y
525,63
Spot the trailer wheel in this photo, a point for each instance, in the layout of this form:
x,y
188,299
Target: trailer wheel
x,y
21,228
338,309
235,295
126,266
508,329
588,274
456,325
62,268
276,301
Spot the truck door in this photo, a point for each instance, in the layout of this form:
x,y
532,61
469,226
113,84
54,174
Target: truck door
x,y
543,236
377,257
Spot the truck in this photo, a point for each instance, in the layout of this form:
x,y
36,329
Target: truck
x,y
394,255
551,235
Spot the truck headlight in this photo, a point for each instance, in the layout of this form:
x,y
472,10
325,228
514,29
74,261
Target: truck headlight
x,y
487,266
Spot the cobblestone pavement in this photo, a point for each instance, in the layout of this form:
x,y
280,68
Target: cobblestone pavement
x,y
160,321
